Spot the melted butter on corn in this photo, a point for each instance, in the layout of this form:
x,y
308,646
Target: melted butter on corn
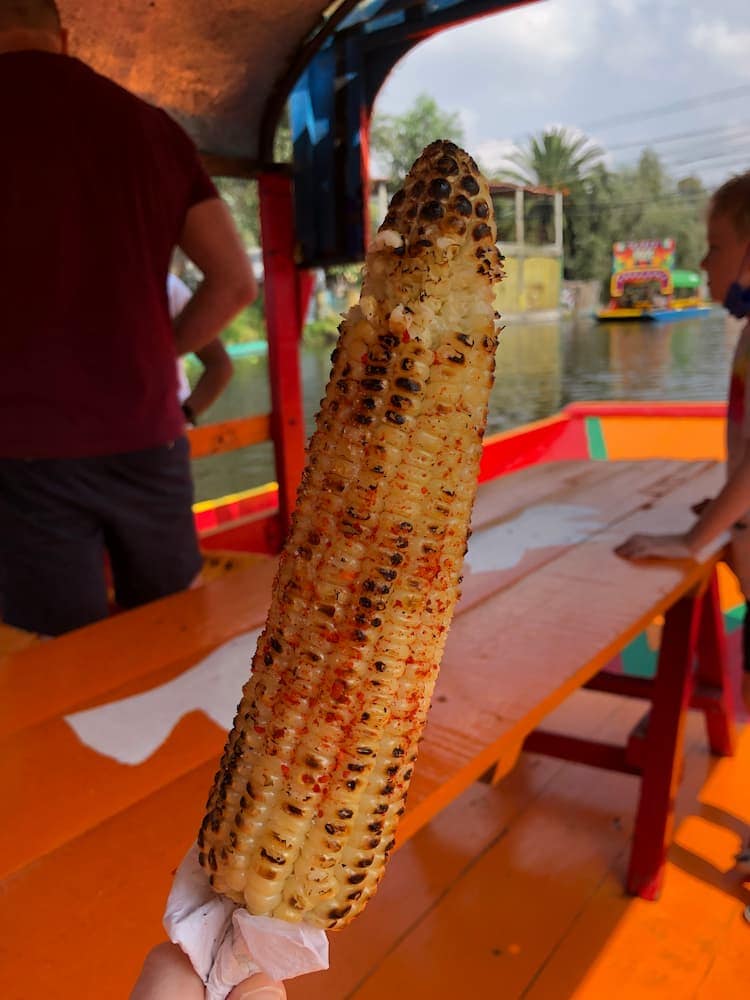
x,y
314,776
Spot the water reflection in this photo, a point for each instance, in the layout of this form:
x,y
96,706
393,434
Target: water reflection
x,y
541,367
639,358
528,376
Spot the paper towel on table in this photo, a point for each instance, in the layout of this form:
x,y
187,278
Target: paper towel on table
x,y
226,944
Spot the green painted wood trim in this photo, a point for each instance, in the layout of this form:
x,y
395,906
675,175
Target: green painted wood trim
x,y
595,438
734,618
639,660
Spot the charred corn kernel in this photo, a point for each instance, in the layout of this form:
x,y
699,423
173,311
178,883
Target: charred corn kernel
x,y
314,776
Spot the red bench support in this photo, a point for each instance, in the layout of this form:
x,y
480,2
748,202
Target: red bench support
x,y
693,672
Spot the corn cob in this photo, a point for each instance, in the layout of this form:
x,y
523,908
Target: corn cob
x,y
314,776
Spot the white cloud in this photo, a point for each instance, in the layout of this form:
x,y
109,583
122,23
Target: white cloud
x,y
629,9
579,62
499,70
728,46
470,119
554,33
492,153
625,8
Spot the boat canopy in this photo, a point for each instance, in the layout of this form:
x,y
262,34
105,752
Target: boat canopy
x,y
685,279
225,70
642,276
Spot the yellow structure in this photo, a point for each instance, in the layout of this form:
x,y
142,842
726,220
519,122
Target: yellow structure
x,y
530,222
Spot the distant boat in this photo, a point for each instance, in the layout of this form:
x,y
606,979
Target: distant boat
x,y
645,285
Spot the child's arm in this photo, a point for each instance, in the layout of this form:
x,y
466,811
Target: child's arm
x,y
732,503
217,371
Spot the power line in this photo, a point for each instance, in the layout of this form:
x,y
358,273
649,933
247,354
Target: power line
x,y
736,147
673,196
731,153
666,109
657,140
727,168
741,161
589,209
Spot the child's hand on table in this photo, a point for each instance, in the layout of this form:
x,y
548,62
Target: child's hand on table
x,y
655,547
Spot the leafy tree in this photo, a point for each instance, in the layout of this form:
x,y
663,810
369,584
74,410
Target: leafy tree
x,y
650,176
589,219
241,194
397,140
241,197
648,203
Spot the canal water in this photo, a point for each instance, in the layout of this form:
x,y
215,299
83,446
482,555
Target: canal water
x,y
541,367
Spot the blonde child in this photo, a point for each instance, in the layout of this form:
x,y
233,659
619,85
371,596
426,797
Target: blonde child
x,y
727,264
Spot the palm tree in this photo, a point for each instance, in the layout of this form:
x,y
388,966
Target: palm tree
x,y
559,159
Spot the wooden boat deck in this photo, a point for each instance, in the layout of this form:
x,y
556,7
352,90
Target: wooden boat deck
x,y
512,890
516,891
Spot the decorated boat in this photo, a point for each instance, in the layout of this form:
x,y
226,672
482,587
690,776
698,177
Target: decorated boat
x,y
646,285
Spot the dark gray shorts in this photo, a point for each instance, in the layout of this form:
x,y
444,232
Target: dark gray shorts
x,y
59,516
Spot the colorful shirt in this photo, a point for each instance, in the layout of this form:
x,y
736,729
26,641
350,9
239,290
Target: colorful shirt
x,y
738,442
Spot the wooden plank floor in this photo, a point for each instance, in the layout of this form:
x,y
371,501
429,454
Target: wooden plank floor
x,y
516,891
513,891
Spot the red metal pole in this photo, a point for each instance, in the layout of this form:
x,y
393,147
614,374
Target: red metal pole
x,y
284,323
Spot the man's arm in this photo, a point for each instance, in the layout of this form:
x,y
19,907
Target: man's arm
x,y
210,239
217,371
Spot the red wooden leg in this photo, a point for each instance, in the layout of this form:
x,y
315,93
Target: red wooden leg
x,y
663,749
713,684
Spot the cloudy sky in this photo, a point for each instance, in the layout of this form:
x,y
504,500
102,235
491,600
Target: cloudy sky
x,y
673,74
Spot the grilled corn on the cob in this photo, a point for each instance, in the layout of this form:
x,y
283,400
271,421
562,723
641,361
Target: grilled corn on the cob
x,y
315,772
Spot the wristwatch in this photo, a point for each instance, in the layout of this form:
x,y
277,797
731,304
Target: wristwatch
x,y
189,415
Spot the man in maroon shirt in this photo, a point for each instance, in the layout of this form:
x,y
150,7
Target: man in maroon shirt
x,y
97,188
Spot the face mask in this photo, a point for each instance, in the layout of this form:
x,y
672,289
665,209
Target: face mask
x,y
737,300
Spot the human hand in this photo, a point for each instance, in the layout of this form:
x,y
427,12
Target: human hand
x,y
698,508
655,547
168,975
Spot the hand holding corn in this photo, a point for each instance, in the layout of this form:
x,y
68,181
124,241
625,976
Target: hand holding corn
x,y
315,772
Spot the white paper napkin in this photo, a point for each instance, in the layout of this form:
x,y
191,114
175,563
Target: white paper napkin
x,y
226,944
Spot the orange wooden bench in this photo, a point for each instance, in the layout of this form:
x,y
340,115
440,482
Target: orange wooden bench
x,y
12,640
546,606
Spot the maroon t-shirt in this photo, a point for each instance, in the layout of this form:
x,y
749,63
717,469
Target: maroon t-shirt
x,y
95,185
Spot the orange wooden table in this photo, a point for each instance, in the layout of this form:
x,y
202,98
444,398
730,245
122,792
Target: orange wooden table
x,y
110,735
